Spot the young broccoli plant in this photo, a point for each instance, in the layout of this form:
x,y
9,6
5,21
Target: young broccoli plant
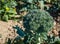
x,y
38,22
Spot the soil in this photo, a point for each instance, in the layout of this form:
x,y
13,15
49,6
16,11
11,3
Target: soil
x,y
6,30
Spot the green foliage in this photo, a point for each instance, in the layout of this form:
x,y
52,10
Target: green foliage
x,y
7,7
29,1
5,18
57,42
30,4
18,42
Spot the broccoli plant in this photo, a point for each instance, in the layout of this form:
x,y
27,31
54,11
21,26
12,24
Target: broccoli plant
x,y
38,22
